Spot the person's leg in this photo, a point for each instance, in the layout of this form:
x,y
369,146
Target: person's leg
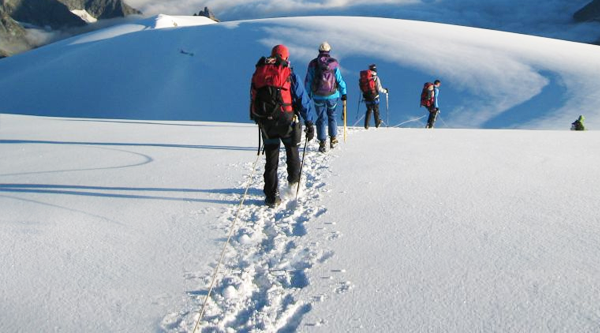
x,y
292,160
376,115
321,110
368,114
272,162
331,114
431,118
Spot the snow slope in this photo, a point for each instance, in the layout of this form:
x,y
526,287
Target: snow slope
x,y
112,225
138,71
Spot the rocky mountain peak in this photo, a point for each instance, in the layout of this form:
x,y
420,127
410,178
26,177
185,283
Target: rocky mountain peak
x,y
51,15
207,13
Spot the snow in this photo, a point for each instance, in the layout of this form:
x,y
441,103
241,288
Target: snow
x,y
500,80
120,186
84,15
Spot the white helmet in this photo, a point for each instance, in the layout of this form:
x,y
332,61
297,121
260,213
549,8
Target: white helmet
x,y
324,47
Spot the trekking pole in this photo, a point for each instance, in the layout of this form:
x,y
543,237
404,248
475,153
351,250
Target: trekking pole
x,y
301,165
358,107
387,108
344,121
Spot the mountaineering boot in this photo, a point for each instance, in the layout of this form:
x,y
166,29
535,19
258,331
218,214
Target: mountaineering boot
x,y
333,142
378,123
322,148
273,201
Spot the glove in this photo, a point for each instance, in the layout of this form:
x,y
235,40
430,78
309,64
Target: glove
x,y
310,131
344,97
437,110
387,90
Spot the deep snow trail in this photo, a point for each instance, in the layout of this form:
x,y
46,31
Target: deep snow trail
x,y
267,262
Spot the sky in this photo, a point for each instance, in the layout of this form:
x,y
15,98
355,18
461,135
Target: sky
x,y
551,18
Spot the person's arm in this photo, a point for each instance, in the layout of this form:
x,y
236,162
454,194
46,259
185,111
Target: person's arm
x,y
379,87
340,81
310,73
301,99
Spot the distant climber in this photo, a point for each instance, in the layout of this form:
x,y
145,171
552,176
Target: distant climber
x,y
370,86
429,99
577,125
325,83
278,99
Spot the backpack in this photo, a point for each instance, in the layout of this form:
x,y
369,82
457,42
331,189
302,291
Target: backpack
x,y
427,95
366,82
271,91
324,82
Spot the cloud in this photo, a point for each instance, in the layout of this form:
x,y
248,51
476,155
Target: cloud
x,y
551,18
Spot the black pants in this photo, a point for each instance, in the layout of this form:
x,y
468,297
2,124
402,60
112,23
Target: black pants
x,y
292,160
372,108
433,112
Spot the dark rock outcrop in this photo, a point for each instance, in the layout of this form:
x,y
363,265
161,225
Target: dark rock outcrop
x,y
207,13
102,9
591,12
43,13
8,26
12,35
50,14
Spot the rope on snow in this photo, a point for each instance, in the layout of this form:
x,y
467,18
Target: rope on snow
x,y
237,214
410,121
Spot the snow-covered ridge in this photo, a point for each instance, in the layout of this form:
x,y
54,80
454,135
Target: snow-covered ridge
x,y
490,79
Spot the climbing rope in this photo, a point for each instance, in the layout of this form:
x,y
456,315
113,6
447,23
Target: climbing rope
x,y
237,214
443,122
359,119
410,121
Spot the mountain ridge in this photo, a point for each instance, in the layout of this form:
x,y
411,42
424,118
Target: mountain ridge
x,y
55,15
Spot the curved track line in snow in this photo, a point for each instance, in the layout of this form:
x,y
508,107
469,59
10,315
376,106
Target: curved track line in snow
x,y
146,160
61,207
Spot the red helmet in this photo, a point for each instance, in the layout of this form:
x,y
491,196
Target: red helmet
x,y
280,51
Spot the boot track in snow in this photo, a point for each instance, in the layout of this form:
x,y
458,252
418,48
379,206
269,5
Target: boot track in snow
x,y
266,264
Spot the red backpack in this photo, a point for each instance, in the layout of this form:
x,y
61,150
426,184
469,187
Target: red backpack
x,y
366,82
427,95
271,91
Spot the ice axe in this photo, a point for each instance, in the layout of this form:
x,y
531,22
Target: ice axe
x,y
387,107
344,103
